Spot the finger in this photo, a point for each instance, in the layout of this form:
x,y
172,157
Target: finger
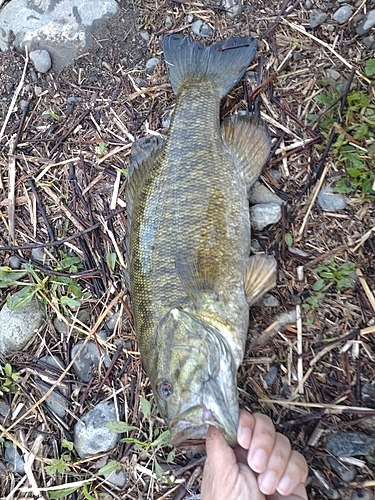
x,y
220,455
294,475
262,443
276,466
246,424
298,494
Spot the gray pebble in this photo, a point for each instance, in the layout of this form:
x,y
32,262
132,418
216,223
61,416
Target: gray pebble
x,y
363,495
19,326
317,18
368,395
151,65
342,15
118,478
38,254
263,215
232,7
55,401
168,22
330,201
14,262
145,35
190,18
350,444
24,105
276,174
74,99
332,73
41,59
83,316
261,194
308,4
88,360
271,376
4,410
201,29
92,436
369,41
268,300
367,23
51,375
346,472
14,459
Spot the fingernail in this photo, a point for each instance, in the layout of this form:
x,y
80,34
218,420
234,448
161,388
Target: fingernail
x,y
258,461
244,437
284,486
267,483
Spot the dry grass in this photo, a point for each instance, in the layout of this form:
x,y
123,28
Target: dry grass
x,y
62,189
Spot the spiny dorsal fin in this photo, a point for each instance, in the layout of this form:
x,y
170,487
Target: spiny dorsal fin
x,y
144,153
260,276
248,139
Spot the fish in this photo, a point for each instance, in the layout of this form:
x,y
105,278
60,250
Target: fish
x,y
190,274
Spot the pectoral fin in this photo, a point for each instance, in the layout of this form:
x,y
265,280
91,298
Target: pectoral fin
x,y
260,276
249,141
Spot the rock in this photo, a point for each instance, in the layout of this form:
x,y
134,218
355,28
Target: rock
x,y
38,254
55,401
276,174
24,105
270,376
368,395
346,472
41,60
367,23
91,436
369,41
267,300
19,326
83,316
14,262
50,375
168,22
63,28
350,444
330,201
118,478
332,73
14,459
232,7
363,495
88,360
317,18
263,215
261,194
308,4
145,35
201,29
151,65
4,410
112,321
342,15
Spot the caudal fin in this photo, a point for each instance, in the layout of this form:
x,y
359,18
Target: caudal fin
x,y
222,63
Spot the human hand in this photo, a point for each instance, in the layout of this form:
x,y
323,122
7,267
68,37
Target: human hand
x,y
261,467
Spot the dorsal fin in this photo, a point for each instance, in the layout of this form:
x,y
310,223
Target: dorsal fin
x,y
249,141
260,276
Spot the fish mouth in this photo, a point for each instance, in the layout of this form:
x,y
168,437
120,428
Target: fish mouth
x,y
193,425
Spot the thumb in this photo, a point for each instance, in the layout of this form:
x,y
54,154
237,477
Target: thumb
x,y
220,455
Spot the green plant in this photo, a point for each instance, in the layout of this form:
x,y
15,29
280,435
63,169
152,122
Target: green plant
x,y
102,148
52,114
349,149
147,443
59,465
330,274
7,383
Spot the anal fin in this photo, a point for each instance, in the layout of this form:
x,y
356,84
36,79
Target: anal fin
x,y
249,141
260,276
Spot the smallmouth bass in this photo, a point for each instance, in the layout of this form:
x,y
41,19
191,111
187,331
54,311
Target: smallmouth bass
x,y
191,277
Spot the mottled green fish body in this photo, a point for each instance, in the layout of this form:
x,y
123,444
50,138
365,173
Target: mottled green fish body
x,y
191,278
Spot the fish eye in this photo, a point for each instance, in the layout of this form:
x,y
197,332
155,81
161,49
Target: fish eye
x,y
165,389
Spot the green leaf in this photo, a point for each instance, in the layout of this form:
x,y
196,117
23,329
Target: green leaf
x,y
85,491
120,427
67,444
110,467
171,456
68,262
288,239
52,114
319,285
112,258
158,470
68,301
55,495
75,288
162,439
9,276
145,407
8,370
21,298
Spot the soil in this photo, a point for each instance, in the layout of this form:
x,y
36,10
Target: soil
x,y
69,136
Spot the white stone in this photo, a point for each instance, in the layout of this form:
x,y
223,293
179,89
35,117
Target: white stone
x,y
62,28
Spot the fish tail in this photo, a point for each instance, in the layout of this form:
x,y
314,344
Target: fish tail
x,y
223,64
